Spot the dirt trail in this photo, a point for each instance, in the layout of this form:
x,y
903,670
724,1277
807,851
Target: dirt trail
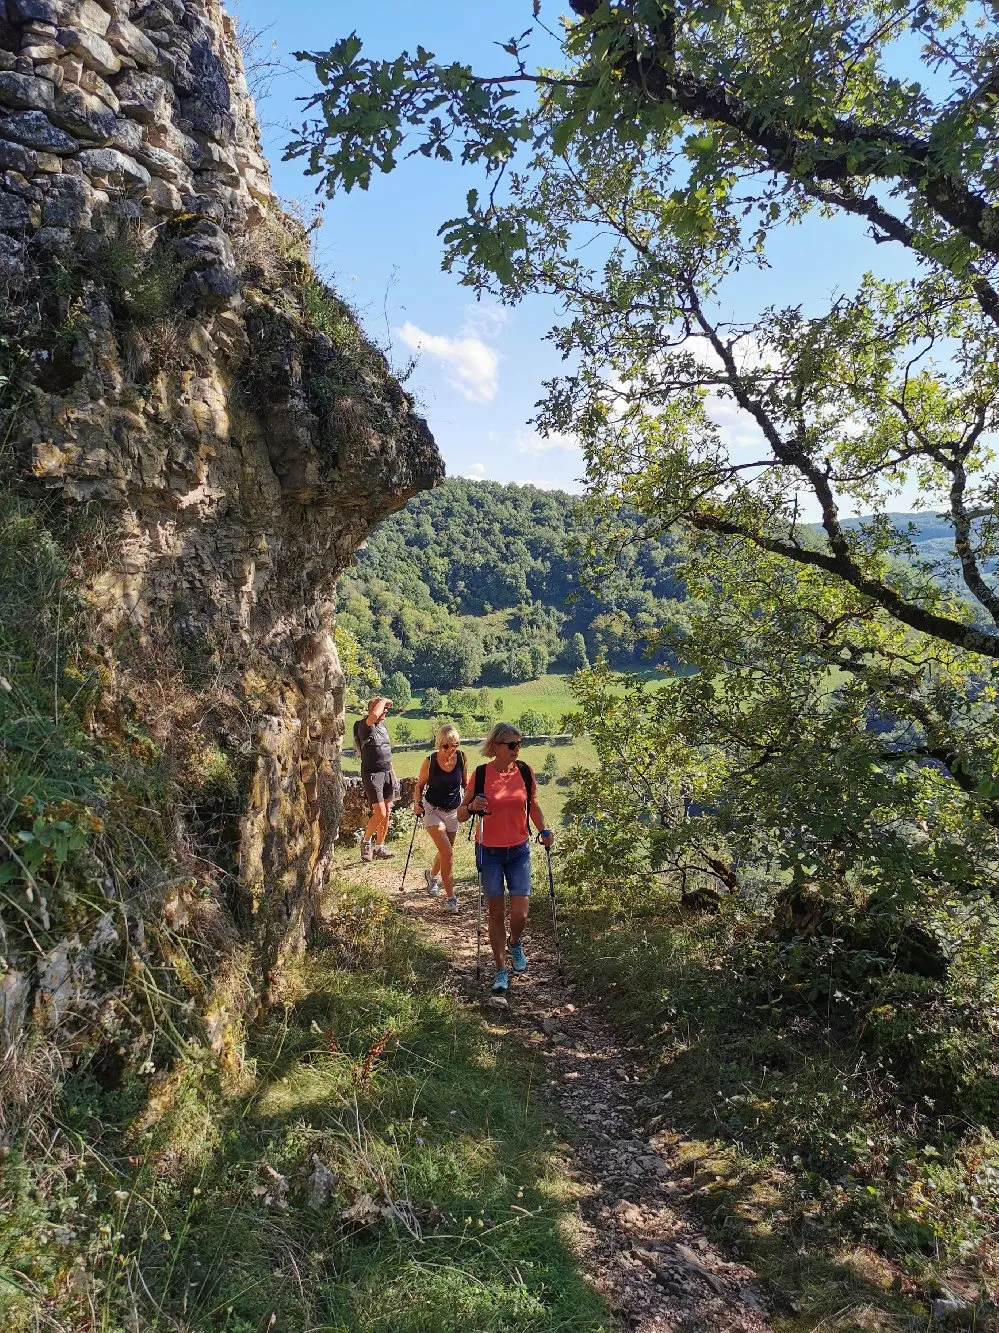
x,y
640,1246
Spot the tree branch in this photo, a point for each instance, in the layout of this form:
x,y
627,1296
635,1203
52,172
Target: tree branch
x,y
867,206
938,626
839,150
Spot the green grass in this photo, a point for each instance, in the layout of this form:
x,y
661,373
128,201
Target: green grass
x,y
446,1208
549,694
856,1200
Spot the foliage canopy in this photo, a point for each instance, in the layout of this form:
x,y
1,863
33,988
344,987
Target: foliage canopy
x,y
683,145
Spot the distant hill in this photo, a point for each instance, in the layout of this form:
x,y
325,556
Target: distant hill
x,y
481,582
933,542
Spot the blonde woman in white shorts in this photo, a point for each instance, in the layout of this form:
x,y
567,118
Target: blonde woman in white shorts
x,y
439,790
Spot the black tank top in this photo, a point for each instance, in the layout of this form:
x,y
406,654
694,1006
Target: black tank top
x,y
443,790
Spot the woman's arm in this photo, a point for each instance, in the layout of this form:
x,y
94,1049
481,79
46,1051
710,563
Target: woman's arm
x,y
540,825
464,811
421,782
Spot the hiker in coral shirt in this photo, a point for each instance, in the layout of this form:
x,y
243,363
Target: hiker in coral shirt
x,y
504,794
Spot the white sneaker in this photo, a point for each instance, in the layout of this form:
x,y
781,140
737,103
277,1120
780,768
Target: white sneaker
x,y
451,905
434,887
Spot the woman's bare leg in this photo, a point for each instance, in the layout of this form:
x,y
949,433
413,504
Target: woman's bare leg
x,y
519,904
442,861
377,826
497,928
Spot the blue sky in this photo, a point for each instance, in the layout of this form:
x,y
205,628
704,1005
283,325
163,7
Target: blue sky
x,y
480,367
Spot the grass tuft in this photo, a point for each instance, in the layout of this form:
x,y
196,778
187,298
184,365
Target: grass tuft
x,y
377,1164
856,1197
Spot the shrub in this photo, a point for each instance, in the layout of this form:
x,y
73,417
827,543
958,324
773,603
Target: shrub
x,y
399,690
575,654
533,723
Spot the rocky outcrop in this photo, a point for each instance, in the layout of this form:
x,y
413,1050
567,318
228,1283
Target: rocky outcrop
x,y
181,383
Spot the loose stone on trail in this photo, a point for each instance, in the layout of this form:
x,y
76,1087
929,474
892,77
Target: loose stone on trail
x,y
637,1244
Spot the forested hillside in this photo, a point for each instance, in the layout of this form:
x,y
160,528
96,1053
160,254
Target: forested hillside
x,y
478,582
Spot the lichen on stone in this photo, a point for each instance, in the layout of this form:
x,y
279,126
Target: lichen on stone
x,y
196,435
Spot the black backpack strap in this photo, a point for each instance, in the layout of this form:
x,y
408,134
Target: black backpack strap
x,y
461,761
478,790
528,778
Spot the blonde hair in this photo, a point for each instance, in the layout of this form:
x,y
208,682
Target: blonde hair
x,y
445,733
501,731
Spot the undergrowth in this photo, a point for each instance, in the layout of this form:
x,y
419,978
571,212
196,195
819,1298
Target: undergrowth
x,y
378,1164
858,1169
114,930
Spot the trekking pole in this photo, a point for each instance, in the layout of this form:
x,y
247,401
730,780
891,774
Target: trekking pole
x,y
551,894
405,870
478,923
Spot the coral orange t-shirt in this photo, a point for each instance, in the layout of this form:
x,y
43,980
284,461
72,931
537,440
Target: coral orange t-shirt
x,y
506,823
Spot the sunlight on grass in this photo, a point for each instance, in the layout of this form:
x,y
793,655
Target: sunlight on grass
x,y
855,1204
376,1165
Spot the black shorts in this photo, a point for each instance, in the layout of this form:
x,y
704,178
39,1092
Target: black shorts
x,y
378,787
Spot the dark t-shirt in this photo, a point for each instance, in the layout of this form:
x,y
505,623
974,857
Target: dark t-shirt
x,y
372,744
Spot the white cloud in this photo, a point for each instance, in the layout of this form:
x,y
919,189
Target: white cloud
x,y
485,318
476,472
530,442
469,365
737,430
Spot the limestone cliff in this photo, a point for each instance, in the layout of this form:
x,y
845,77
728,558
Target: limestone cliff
x,y
204,436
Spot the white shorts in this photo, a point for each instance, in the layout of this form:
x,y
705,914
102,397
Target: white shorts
x,y
445,819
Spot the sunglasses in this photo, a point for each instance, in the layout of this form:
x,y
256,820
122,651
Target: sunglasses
x,y
511,745
450,745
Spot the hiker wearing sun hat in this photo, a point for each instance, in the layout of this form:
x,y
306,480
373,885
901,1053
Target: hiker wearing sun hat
x,y
504,793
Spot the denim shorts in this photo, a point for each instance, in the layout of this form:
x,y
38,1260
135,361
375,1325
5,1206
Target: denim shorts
x,y
511,863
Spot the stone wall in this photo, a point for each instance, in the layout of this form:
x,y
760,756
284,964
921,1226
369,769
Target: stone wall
x,y
141,105
212,410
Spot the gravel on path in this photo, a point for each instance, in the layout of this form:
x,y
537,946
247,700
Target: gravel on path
x,y
639,1244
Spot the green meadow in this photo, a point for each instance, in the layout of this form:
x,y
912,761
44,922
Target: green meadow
x,y
550,694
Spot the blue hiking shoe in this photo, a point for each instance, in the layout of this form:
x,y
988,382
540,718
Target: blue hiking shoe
x,y
517,957
501,981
